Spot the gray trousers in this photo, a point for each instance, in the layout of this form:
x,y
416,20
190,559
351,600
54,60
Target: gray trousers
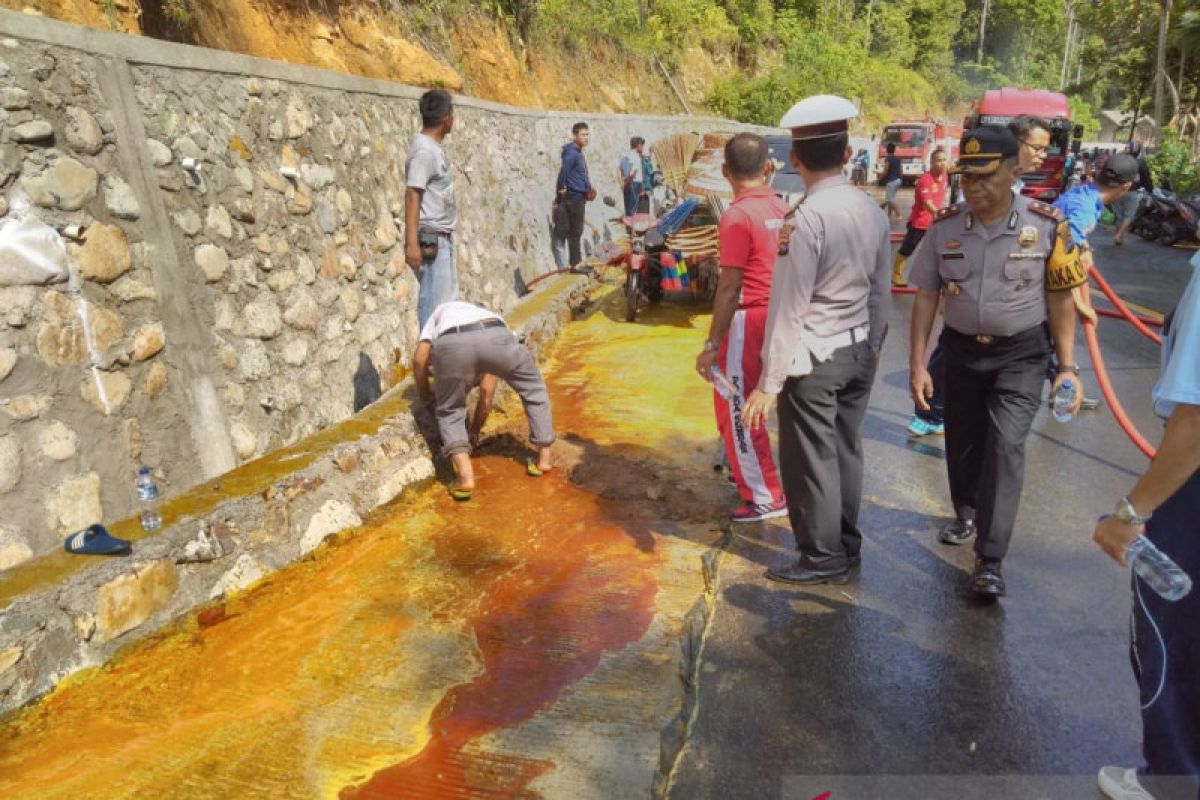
x,y
821,455
461,359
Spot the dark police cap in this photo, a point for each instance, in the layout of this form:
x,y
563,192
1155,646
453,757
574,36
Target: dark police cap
x,y
982,149
1119,168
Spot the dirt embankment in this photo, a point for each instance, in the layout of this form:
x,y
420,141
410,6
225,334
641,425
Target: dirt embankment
x,y
470,54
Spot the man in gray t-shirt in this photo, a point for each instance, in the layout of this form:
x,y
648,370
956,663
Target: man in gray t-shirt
x,y
429,207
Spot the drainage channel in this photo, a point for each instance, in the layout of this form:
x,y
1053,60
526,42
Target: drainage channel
x,y
526,643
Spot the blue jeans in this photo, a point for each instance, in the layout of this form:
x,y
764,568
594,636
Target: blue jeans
x,y
1166,656
633,193
439,281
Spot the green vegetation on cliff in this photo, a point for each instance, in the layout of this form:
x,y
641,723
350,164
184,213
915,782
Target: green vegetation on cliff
x,y
898,56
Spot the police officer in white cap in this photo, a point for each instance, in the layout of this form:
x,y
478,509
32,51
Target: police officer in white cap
x,y
825,326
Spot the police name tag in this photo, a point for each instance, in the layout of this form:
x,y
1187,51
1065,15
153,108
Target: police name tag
x,y
1027,256
949,256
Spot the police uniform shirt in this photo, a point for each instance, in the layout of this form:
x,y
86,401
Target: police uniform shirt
x,y
995,277
835,276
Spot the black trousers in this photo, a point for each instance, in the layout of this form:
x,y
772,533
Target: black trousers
x,y
821,456
1166,656
912,238
993,392
569,225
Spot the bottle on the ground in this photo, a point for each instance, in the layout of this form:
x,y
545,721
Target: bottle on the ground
x,y
1157,569
147,493
1060,404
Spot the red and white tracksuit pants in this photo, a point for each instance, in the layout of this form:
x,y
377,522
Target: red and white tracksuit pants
x,y
749,452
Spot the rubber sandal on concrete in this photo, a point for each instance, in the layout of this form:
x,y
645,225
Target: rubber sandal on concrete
x,y
95,540
461,495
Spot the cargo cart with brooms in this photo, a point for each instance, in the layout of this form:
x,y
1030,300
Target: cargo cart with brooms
x,y
673,246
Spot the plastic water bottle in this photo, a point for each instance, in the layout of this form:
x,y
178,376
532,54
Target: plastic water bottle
x,y
1064,398
147,493
721,383
1158,570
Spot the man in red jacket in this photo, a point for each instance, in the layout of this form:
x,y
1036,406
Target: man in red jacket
x,y
928,199
749,242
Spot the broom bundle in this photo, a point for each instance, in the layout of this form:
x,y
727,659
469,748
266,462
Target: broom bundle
x,y
673,155
695,243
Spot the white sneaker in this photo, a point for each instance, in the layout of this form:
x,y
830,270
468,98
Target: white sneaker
x,y
1121,783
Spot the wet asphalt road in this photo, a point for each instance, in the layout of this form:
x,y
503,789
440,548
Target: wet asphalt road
x,y
901,673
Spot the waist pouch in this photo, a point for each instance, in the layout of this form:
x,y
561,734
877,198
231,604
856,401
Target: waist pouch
x,y
428,240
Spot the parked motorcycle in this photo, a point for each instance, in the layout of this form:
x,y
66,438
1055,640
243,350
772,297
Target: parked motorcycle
x,y
642,260
1150,223
1184,225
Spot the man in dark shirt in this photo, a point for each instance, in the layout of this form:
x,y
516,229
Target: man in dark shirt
x,y
1127,207
573,190
893,176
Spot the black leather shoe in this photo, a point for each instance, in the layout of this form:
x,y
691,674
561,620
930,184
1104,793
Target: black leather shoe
x,y
805,576
987,580
957,532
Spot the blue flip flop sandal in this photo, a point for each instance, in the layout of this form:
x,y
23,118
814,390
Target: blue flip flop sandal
x,y
95,540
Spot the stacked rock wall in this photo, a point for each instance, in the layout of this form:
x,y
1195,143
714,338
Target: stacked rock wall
x,y
209,315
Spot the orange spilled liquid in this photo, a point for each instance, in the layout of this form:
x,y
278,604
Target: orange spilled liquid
x,y
379,667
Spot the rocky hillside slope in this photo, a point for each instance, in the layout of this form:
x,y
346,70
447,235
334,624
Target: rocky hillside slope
x,y
470,54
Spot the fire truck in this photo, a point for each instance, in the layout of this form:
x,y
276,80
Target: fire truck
x,y
915,141
999,106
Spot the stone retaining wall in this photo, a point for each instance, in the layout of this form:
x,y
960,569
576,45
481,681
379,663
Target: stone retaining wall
x,y
227,308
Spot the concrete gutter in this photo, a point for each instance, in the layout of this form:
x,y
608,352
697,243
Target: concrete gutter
x,y
61,613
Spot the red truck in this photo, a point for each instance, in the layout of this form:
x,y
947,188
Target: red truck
x,y
999,106
915,141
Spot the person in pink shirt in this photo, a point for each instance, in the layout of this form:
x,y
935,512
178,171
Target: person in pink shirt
x,y
928,199
749,242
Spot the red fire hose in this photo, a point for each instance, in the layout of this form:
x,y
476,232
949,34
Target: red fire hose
x,y
1137,322
1110,397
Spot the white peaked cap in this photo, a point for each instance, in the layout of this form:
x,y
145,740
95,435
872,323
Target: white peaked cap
x,y
819,116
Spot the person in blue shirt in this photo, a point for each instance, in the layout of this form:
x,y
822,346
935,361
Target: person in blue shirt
x,y
573,189
1084,205
633,183
1164,505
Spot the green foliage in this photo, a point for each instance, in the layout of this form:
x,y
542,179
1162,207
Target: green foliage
x,y
814,62
1082,113
178,11
1174,162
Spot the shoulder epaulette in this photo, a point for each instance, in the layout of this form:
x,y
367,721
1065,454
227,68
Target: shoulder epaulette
x,y
1045,209
948,212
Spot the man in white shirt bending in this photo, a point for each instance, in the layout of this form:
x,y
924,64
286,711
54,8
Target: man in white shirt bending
x,y
467,346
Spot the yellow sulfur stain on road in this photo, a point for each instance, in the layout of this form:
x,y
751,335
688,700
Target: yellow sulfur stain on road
x,y
377,668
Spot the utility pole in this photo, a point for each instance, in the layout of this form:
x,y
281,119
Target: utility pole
x,y
1160,66
1071,29
982,30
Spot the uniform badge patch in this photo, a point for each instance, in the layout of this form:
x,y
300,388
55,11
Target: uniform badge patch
x,y
1028,236
954,244
953,289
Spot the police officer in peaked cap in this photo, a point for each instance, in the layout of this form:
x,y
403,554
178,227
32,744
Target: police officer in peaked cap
x,y
825,326
1006,266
